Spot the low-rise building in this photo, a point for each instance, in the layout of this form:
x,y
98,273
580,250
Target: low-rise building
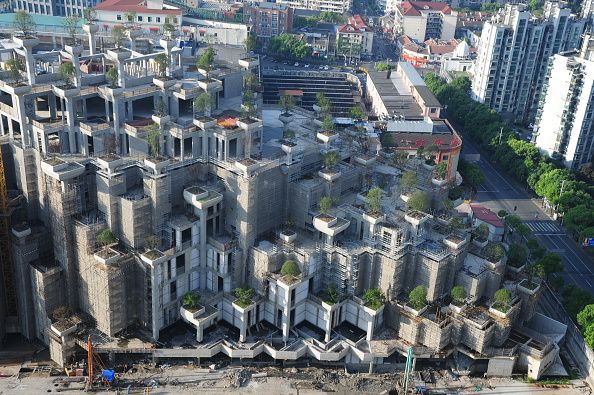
x,y
270,19
149,15
354,38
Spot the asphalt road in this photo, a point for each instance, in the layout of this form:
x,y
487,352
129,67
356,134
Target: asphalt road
x,y
499,192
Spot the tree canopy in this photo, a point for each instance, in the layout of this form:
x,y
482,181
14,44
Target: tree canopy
x,y
417,298
288,46
419,201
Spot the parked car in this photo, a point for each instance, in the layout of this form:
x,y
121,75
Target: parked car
x,y
296,64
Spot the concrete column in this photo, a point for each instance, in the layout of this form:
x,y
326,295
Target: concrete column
x,y
130,106
107,115
30,64
287,323
202,248
121,75
199,333
181,147
2,130
243,329
84,108
328,328
10,127
25,134
43,142
370,327
226,149
52,105
70,119
91,30
117,116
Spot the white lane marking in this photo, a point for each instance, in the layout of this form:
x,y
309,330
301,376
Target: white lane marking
x,y
571,263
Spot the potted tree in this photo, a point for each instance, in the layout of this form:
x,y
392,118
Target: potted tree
x,y
329,173
408,182
287,233
243,297
481,235
440,174
430,152
160,116
419,201
374,299
290,271
72,25
325,205
118,54
67,75
286,103
417,300
105,254
203,104
327,134
248,120
162,80
191,307
155,161
25,28
169,29
15,69
330,295
205,65
374,205
112,88
502,303
399,159
458,294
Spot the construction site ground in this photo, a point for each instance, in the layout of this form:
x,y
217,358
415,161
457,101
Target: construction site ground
x,y
188,379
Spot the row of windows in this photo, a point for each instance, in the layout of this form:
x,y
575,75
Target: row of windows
x,y
140,18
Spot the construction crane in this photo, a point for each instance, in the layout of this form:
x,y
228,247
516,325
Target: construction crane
x,y
5,248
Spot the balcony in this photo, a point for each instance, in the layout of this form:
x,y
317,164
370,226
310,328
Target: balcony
x,y
201,198
48,125
91,128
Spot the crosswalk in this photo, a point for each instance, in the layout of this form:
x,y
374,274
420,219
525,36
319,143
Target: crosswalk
x,y
544,227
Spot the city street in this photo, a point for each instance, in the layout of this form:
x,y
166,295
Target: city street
x,y
499,192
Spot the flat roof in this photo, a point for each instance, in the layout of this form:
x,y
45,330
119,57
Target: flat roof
x,y
40,20
394,95
427,96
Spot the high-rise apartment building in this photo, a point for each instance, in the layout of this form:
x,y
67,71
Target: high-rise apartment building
x,y
54,7
513,54
564,122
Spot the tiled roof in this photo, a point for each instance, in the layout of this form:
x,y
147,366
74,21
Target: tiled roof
x,y
414,8
354,24
134,6
486,215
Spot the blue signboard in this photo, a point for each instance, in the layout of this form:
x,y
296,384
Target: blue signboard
x,y
589,242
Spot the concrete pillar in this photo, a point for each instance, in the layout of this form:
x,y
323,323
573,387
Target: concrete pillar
x,y
199,333
219,149
20,104
70,119
202,248
328,328
121,75
10,127
2,130
84,108
226,142
30,64
243,329
117,119
52,105
43,142
370,327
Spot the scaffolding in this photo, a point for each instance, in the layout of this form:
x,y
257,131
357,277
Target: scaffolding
x,y
6,255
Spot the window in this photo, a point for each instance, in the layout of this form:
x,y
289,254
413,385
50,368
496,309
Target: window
x,y
149,18
119,17
139,18
158,18
444,157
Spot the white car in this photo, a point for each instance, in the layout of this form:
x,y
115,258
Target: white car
x,y
296,64
326,68
307,66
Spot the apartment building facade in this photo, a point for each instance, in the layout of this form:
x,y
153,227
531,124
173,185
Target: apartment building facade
x,y
270,19
513,54
338,6
422,20
54,7
564,122
354,38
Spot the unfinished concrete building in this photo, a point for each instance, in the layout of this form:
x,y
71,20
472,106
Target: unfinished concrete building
x,y
213,204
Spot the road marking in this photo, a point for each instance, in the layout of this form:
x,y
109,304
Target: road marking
x,y
549,234
486,162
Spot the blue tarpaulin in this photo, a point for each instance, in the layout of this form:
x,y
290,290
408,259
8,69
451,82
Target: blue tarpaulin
x,y
108,375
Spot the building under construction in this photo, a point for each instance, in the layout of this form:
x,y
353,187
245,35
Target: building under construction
x,y
132,201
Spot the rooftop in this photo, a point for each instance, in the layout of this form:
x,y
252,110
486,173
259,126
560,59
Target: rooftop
x,y
416,8
486,215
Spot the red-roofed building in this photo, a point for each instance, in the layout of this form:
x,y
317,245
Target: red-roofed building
x,y
150,14
482,215
354,38
422,20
